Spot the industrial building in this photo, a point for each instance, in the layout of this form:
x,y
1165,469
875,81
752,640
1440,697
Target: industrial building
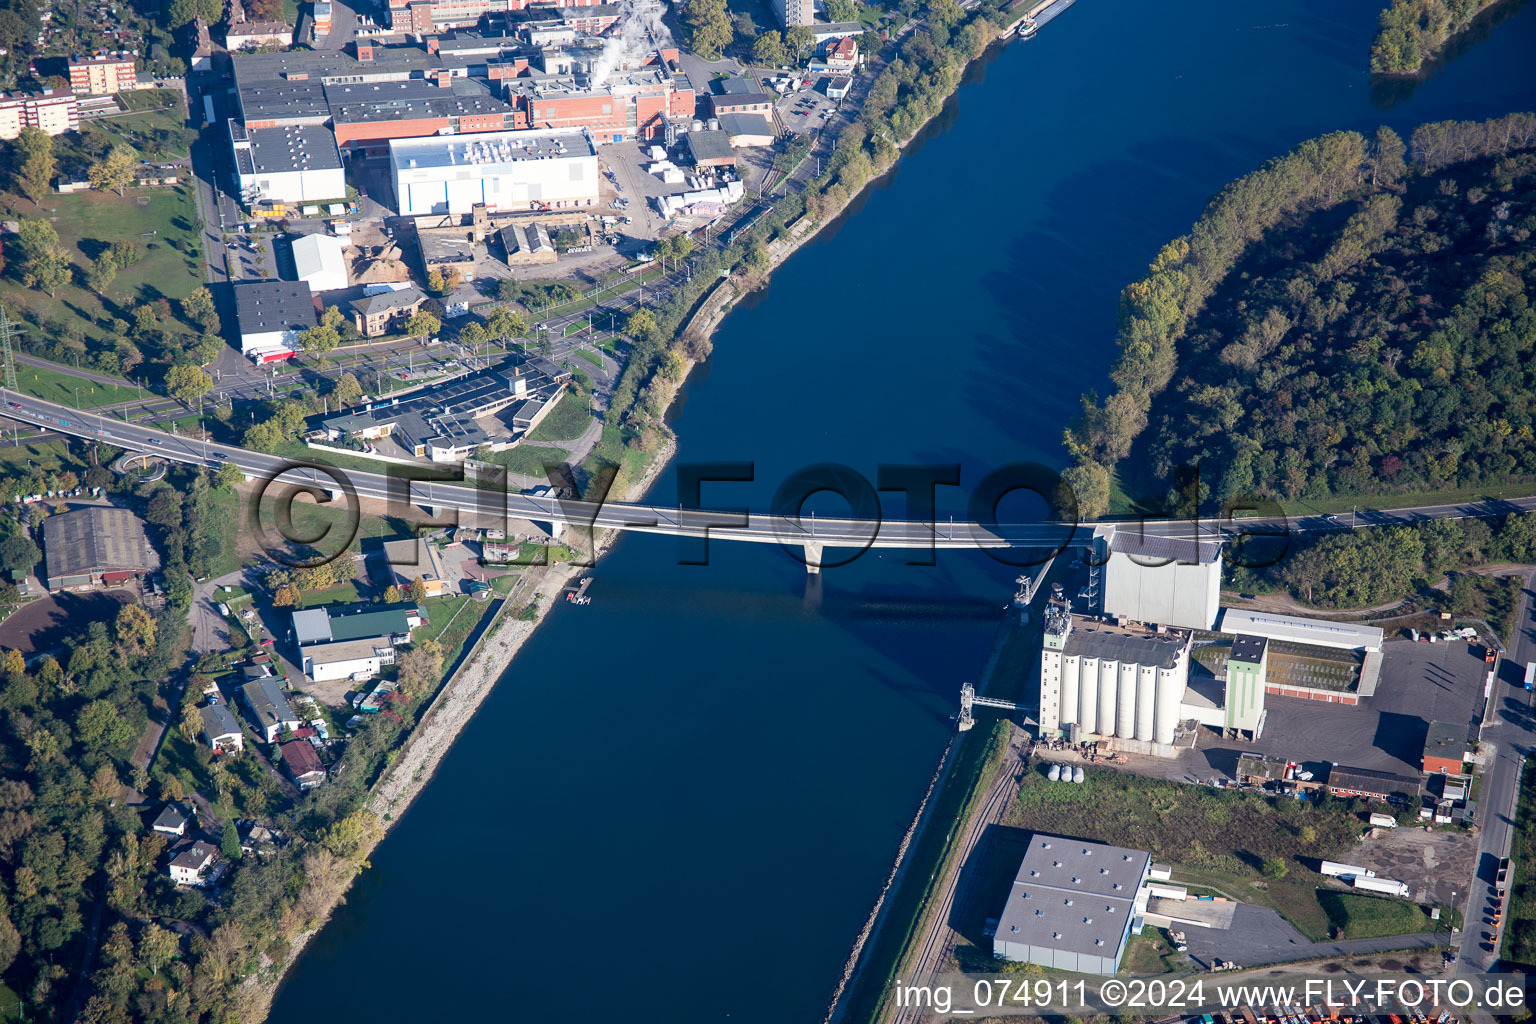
x,y
103,75
430,17
318,262
1072,905
1370,784
1445,749
1311,632
501,170
271,316
287,164
52,111
1247,663
1162,581
442,426
710,149
355,622
96,546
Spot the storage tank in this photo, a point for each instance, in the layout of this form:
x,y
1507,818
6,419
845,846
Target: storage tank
x,y
1170,691
1055,773
1077,774
714,124
1390,886
1088,695
1146,697
1109,693
1070,666
696,126
1125,714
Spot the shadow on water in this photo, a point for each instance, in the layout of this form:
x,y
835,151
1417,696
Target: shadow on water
x,y
1388,91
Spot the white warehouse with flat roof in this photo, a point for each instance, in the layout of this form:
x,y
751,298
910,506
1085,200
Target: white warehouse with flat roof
x,y
523,170
1072,905
1347,636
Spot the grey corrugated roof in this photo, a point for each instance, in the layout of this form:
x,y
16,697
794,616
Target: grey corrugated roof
x,y
1129,541
1369,780
1073,895
262,306
96,539
1149,649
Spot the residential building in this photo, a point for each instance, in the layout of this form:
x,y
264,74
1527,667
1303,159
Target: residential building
x,y
270,710
251,34
501,170
1445,749
96,546
103,75
272,315
221,729
375,315
172,821
303,763
287,164
194,865
54,111
1072,905
840,54
199,46
794,12
318,262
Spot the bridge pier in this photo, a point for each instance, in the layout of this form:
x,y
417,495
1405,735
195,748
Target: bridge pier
x,y
813,558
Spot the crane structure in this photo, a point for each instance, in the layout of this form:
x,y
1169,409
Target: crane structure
x,y
968,699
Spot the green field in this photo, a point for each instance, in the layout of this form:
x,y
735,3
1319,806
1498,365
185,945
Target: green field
x,y
156,127
1219,839
1520,933
1372,917
567,421
591,357
166,230
67,389
529,461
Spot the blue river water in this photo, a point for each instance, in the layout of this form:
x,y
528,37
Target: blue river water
x,y
680,802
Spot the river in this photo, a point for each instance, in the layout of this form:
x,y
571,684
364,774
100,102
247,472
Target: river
x,y
681,801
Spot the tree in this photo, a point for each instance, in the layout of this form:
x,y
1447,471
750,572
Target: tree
x,y
435,283
839,11
421,666
115,171
35,163
1275,867
19,554
800,41
135,630
768,49
187,382
157,945
319,340
423,325
1387,164
710,21
198,307
506,323
39,260
419,589
229,842
642,326
347,389
472,336
287,597
393,594
229,475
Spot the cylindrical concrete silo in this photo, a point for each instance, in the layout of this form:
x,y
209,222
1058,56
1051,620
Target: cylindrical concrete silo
x,y
1070,665
1078,775
1088,695
1109,693
1125,714
1146,697
1170,692
1055,773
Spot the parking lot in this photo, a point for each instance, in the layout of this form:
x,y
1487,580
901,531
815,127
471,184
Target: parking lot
x,y
1435,863
1420,683
805,109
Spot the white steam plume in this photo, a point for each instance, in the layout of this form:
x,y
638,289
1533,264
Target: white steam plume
x,y
638,31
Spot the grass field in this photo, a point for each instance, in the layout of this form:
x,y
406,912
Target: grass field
x,y
1150,953
67,389
567,421
1216,838
591,357
156,126
344,593
1372,917
529,461
1520,932
166,230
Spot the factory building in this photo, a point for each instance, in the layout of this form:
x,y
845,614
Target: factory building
x,y
271,316
1445,749
287,164
1246,666
431,17
1073,905
501,170
1161,581
367,115
1298,630
318,262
